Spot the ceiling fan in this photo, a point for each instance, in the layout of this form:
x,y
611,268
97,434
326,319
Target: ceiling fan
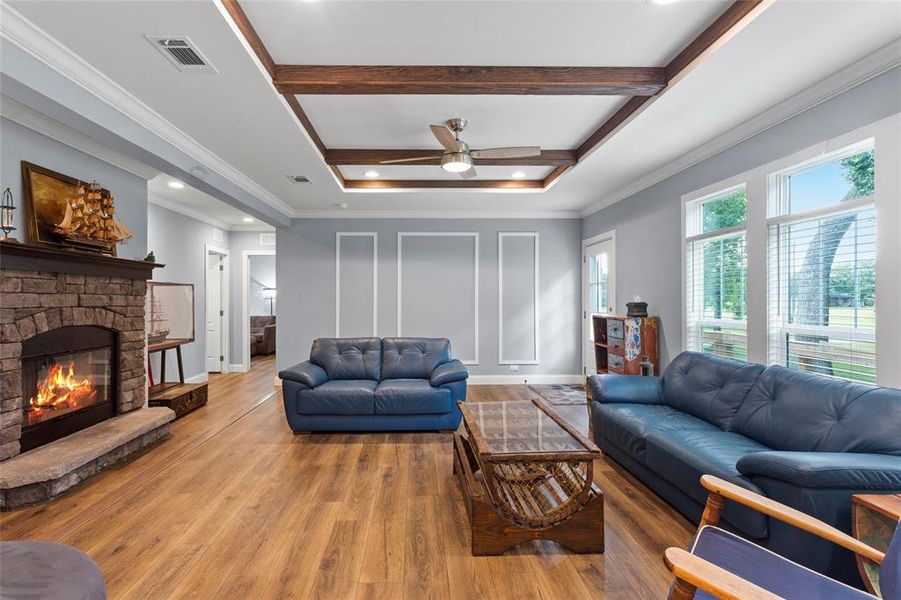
x,y
457,157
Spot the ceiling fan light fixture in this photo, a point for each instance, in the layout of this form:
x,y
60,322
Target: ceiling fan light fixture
x,y
371,174
456,162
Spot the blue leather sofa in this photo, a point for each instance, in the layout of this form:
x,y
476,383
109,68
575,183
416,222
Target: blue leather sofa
x,y
369,384
805,440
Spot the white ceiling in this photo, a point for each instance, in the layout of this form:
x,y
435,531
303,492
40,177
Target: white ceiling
x,y
237,115
199,205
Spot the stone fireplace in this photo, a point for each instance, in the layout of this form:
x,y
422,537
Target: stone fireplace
x,y
72,362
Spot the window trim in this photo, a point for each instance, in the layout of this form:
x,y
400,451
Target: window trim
x,y
885,136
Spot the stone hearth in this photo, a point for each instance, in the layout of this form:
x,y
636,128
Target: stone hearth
x,y
45,289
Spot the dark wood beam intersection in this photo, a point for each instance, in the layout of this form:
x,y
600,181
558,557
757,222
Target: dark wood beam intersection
x,y
536,81
549,158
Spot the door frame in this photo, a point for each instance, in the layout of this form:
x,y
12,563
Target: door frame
x,y
225,338
608,236
245,292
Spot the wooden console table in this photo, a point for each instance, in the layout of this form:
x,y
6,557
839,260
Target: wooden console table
x,y
874,518
181,397
526,474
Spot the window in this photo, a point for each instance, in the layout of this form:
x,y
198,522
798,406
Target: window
x,y
716,274
822,266
597,283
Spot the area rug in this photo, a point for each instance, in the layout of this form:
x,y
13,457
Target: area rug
x,y
561,394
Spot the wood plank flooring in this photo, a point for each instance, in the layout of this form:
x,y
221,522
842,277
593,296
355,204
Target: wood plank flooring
x,y
232,505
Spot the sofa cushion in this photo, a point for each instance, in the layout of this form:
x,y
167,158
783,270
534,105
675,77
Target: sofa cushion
x,y
627,425
348,358
682,456
792,410
411,397
338,397
709,387
413,358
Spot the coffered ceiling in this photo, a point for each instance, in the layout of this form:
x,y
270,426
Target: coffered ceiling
x,y
237,113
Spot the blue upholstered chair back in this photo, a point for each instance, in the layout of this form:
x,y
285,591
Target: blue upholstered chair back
x,y
890,572
413,358
796,411
709,387
348,358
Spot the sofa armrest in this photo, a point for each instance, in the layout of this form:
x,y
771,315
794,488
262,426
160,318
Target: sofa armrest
x,y
449,372
627,389
306,373
835,470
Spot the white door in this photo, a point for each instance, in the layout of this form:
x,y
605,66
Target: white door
x,y
598,297
214,316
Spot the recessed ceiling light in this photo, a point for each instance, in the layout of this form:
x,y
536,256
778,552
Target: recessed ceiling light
x,y
664,1
247,219
176,185
371,174
517,175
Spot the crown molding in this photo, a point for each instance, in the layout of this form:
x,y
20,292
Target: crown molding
x,y
882,60
39,44
431,214
31,119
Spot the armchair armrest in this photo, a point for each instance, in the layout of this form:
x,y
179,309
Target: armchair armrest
x,y
716,581
448,373
629,389
720,489
305,373
842,470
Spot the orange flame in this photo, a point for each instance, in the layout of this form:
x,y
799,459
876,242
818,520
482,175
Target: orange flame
x,y
60,390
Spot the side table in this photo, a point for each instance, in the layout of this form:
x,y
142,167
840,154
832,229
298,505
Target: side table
x,y
873,521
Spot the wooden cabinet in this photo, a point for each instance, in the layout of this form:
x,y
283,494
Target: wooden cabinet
x,y
620,343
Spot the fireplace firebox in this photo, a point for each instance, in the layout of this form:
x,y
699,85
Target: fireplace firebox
x,y
69,382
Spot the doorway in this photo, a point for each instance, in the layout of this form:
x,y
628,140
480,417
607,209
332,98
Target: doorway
x,y
216,285
598,289
259,304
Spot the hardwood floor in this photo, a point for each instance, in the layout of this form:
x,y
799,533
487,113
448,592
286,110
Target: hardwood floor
x,y
233,505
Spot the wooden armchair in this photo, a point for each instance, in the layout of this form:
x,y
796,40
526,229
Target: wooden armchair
x,y
723,565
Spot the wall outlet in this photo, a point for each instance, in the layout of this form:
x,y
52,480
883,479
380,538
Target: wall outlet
x,y
514,367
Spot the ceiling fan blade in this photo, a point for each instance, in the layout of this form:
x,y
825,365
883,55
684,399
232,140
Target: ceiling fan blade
x,y
445,136
512,152
406,160
468,173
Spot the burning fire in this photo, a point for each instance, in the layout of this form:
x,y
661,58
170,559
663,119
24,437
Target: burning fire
x,y
60,390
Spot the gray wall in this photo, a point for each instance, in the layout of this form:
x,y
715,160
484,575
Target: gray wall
x,y
238,243
262,275
647,224
179,243
18,143
434,270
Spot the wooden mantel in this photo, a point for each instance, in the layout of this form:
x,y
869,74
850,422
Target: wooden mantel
x,y
25,257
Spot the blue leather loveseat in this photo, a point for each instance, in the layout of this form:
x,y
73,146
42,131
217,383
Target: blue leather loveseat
x,y
805,440
370,384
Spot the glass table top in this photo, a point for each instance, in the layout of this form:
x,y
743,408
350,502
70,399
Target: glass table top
x,y
519,426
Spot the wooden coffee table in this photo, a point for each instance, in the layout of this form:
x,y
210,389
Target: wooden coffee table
x,y
873,521
526,474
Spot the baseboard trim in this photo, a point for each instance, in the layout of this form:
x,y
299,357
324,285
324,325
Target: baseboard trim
x,y
199,378
237,368
523,379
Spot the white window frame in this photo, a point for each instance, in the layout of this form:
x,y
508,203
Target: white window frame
x,y
886,139
692,231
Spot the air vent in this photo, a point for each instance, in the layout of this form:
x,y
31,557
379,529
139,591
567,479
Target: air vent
x,y
299,178
182,53
267,239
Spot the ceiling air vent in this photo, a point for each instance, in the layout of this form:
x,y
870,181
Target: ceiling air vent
x,y
299,178
267,239
182,53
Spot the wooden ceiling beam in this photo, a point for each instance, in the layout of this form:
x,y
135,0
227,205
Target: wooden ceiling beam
x,y
536,81
389,184
739,14
550,158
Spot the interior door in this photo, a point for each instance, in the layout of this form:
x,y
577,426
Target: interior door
x,y
214,313
598,296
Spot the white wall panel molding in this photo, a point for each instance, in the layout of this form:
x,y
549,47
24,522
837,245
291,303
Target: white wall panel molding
x,y
527,358
375,276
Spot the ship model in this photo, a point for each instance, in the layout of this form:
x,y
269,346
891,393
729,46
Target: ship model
x,y
159,330
90,221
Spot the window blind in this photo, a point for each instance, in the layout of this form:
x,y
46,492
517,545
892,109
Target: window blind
x,y
822,293
716,289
